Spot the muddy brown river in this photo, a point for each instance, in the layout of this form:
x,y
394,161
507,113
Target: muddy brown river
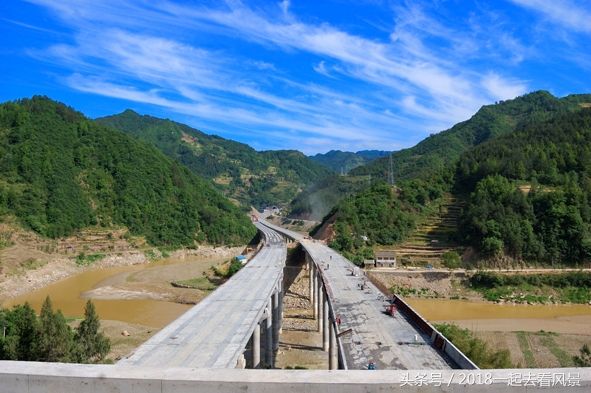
x,y
562,318
66,296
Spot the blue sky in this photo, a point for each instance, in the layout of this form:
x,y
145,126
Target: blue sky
x,y
309,75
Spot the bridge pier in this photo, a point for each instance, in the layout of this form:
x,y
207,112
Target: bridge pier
x,y
311,274
281,305
269,335
333,352
276,320
317,291
320,309
256,346
325,323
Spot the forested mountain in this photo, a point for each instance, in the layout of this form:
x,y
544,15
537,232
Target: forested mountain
x,y
239,171
524,141
434,157
435,153
344,161
60,172
530,192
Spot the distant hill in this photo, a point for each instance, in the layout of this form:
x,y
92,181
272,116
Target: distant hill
x,y
452,161
240,172
344,161
316,201
61,172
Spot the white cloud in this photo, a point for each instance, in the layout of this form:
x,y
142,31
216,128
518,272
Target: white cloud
x,y
382,92
284,5
503,89
564,12
321,69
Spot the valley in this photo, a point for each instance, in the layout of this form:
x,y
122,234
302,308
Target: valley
x,y
454,207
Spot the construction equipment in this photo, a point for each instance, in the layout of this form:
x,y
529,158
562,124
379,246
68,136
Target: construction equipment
x,y
391,309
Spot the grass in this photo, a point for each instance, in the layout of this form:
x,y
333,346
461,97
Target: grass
x,y
6,240
202,283
29,264
85,260
474,348
562,356
526,350
571,287
418,292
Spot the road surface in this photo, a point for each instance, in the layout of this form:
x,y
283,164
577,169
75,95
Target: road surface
x,y
214,333
389,342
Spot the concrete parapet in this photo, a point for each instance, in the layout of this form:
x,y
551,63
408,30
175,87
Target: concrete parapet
x,y
438,340
32,377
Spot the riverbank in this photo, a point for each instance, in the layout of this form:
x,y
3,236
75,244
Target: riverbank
x,y
536,335
54,268
134,301
527,286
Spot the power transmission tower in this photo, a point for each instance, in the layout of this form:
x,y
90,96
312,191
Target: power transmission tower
x,y
391,173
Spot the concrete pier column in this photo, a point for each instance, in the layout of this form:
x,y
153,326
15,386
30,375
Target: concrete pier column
x,y
325,323
333,352
281,305
317,290
311,274
269,335
256,346
320,309
276,320
241,363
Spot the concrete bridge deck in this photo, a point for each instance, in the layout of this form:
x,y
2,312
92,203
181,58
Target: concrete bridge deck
x,y
389,342
215,332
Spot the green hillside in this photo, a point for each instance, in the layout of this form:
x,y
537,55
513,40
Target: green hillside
x,y
344,161
498,220
61,172
530,192
239,171
434,154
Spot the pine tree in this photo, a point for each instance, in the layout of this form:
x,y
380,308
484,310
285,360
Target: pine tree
x,y
92,345
54,343
21,333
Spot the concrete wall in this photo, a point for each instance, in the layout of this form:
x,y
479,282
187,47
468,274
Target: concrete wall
x,y
439,340
31,377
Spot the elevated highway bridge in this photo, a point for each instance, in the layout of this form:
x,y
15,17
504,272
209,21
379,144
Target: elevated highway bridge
x,y
238,326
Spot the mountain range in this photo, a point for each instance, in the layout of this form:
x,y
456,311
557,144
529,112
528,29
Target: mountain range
x,y
241,173
519,168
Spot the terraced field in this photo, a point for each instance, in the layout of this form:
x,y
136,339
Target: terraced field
x,y
433,237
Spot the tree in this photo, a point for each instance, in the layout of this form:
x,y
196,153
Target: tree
x,y
451,260
54,342
91,345
21,333
584,359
